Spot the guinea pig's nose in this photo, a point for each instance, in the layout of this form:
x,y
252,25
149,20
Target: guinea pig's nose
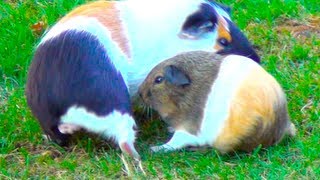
x,y
149,93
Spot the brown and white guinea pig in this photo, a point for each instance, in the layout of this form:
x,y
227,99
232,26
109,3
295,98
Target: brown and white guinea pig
x,y
139,34
228,102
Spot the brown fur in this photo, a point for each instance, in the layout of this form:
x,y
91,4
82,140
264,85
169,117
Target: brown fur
x,y
223,32
182,107
107,13
258,115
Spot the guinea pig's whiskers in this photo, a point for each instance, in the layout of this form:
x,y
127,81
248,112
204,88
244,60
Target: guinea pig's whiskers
x,y
149,112
146,110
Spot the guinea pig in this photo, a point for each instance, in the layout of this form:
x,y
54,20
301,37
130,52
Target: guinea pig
x,y
139,34
227,102
74,84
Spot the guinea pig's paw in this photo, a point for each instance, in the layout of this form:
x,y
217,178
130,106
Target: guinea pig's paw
x,y
163,148
66,128
156,148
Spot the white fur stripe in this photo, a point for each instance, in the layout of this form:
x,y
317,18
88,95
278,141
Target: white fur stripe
x,y
221,12
114,125
155,37
233,70
94,27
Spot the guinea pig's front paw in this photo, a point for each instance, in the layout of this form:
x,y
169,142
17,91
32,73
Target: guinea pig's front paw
x,y
155,148
163,148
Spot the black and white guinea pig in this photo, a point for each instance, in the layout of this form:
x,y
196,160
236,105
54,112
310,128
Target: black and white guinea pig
x,y
228,102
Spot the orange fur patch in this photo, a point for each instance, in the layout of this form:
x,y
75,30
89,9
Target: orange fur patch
x,y
223,32
107,13
252,107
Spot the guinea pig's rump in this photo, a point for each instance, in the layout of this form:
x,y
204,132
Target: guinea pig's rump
x,y
73,69
257,113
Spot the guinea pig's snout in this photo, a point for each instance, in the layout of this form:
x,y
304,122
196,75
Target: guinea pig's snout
x,y
140,94
144,96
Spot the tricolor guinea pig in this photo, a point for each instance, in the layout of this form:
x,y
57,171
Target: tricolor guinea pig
x,y
139,34
227,102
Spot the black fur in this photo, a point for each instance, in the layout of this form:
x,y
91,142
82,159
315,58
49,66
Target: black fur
x,y
201,21
193,26
73,69
239,44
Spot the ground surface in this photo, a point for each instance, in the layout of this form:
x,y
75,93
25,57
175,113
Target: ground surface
x,y
287,36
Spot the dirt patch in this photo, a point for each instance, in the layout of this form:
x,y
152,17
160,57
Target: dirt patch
x,y
300,29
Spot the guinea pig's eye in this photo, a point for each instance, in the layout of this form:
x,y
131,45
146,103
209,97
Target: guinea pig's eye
x,y
158,80
223,42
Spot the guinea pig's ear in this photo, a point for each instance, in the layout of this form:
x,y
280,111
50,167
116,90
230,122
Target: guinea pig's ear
x,y
175,76
202,21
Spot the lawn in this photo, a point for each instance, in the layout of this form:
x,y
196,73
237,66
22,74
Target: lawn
x,y
286,34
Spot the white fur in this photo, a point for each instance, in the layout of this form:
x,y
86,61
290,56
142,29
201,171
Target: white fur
x,y
221,12
114,125
67,128
179,140
152,28
95,28
233,70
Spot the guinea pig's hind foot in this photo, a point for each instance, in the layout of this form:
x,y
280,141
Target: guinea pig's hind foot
x,y
292,130
46,137
67,128
57,137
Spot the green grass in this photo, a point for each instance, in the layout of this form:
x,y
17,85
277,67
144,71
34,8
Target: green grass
x,y
293,60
